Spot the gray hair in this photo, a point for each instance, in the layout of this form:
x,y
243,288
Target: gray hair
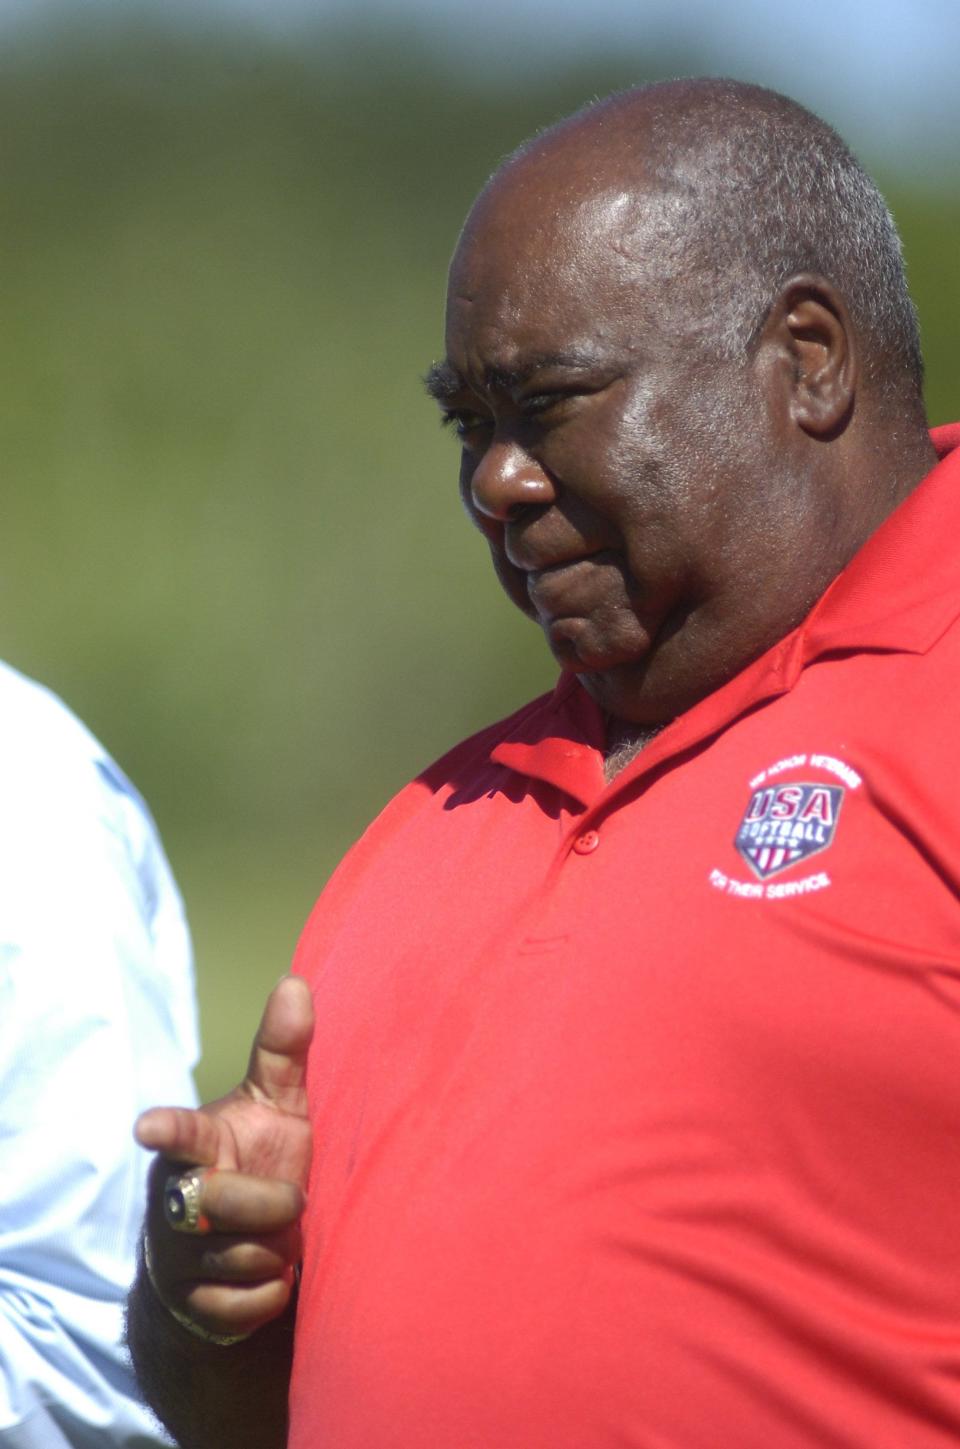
x,y
756,189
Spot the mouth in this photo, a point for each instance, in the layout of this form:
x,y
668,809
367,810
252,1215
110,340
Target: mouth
x,y
590,611
565,587
559,567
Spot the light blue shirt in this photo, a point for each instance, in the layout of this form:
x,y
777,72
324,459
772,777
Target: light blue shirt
x,y
97,1022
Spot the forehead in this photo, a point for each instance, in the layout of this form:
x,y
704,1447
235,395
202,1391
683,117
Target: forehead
x,y
553,261
543,270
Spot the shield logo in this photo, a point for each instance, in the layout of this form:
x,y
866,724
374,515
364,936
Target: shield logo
x,y
784,824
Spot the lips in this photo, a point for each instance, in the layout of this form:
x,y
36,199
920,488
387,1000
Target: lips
x,y
546,570
573,585
536,568
534,564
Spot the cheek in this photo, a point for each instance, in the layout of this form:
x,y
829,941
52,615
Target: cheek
x,y
487,526
512,580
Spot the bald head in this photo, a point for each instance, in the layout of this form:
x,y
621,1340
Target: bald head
x,y
721,192
683,369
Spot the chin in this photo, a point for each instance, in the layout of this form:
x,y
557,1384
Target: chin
x,y
580,649
625,692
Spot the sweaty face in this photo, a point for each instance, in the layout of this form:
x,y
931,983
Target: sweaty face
x,y
607,456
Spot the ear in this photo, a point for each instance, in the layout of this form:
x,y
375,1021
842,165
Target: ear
x,y
814,332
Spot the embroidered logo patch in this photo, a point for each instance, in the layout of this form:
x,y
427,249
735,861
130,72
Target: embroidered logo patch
x,y
784,824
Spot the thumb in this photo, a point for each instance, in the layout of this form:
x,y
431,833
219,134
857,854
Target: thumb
x,y
278,1062
180,1133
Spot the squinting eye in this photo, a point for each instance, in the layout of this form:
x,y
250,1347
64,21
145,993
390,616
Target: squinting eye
x,y
464,423
536,406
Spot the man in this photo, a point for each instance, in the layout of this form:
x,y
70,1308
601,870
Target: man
x,y
97,1018
632,1082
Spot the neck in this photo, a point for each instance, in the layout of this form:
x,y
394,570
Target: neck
x,y
895,455
624,743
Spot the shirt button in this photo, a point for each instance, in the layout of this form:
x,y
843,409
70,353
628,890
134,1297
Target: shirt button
x,y
586,842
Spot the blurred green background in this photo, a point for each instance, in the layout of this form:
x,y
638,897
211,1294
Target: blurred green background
x,y
232,540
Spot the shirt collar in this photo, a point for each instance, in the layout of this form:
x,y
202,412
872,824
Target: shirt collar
x,y
561,743
898,593
900,590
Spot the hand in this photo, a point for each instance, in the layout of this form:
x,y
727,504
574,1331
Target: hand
x,y
239,1275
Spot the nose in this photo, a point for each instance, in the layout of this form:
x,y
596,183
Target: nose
x,y
507,479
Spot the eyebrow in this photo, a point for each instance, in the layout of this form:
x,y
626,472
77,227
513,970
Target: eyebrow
x,y
444,383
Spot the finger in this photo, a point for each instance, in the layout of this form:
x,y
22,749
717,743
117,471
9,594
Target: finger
x,y
235,1202
249,1260
179,1263
235,1308
180,1133
278,1061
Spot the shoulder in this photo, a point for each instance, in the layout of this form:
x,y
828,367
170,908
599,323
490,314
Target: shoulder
x,y
43,745
90,916
66,807
467,767
473,753
33,719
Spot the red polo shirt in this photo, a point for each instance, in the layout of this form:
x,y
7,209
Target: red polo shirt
x,y
637,1106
